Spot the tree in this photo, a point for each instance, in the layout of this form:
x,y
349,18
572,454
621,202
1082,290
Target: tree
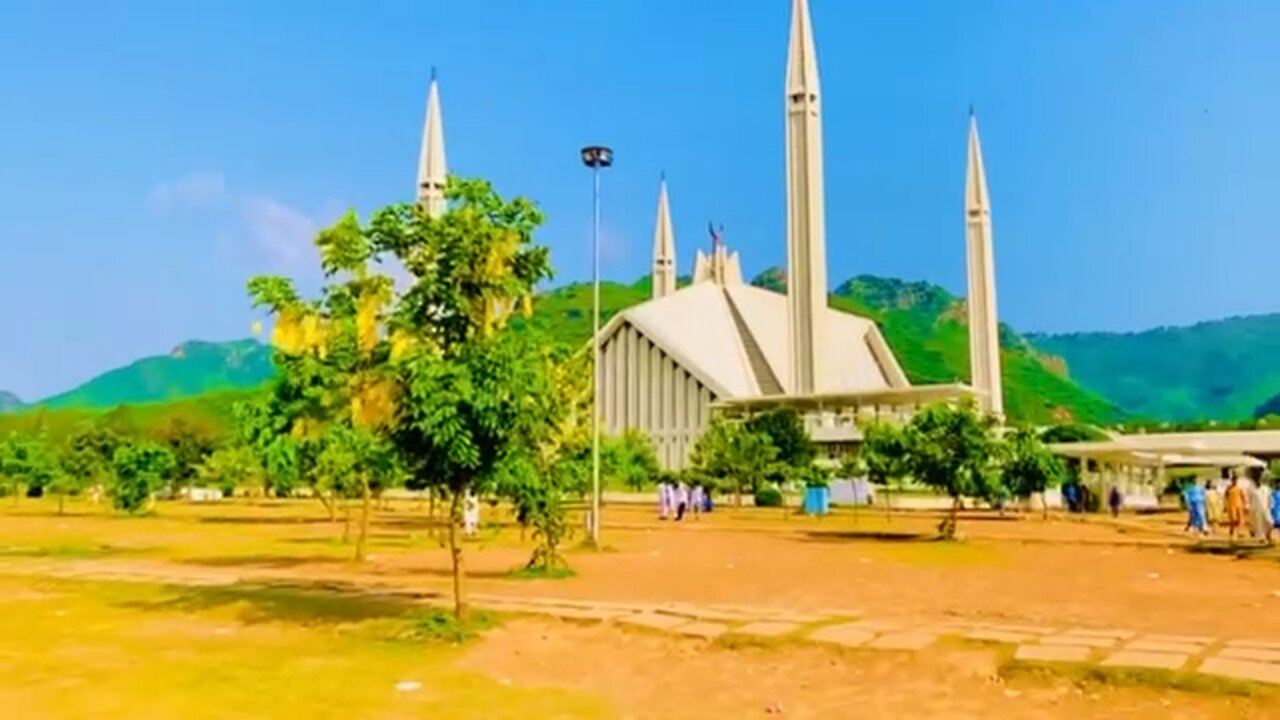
x,y
1029,467
230,468
31,464
785,430
335,381
952,448
88,456
736,456
190,444
140,469
881,456
630,459
476,394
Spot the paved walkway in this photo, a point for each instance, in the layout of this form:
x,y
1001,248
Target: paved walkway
x,y
1254,660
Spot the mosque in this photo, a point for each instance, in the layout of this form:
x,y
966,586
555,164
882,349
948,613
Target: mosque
x,y
720,346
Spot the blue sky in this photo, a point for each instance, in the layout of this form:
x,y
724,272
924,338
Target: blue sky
x,y
154,155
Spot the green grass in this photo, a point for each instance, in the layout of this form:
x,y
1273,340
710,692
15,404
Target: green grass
x,y
1095,675
559,572
100,649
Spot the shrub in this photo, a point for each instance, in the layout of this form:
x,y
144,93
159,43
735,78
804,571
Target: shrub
x,y
768,496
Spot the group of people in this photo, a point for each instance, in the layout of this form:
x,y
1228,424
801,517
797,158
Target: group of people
x,y
1244,506
677,499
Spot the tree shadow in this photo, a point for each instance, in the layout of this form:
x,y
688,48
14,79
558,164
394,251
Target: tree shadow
x,y
233,520
1226,548
473,574
298,603
277,562
840,536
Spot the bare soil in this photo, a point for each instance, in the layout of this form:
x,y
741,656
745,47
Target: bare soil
x,y
646,676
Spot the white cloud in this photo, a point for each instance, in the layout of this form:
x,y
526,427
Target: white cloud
x,y
283,232
195,189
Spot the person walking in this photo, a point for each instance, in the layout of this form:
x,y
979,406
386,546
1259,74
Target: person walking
x,y
681,500
1213,502
1259,510
664,499
1237,504
1195,498
1115,500
1275,508
696,500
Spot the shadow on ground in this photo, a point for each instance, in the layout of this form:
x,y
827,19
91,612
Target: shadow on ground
x,y
72,551
1226,548
299,603
237,520
836,536
265,561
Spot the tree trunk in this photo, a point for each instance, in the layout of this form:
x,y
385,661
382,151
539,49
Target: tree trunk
x,y
346,522
62,503
888,504
737,487
455,551
365,501
953,518
431,512
1044,503
328,505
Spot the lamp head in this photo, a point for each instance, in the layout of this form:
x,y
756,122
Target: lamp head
x,y
597,156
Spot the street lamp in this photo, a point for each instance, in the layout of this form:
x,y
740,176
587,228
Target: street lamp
x,y
595,157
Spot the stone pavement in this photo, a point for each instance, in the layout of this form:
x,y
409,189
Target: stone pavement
x,y
1250,660
1247,659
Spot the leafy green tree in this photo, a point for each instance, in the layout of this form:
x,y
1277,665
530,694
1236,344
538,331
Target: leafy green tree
x,y
335,381
736,456
190,442
87,458
1028,466
786,431
476,393
881,457
1072,432
230,468
30,463
630,458
264,427
140,469
953,449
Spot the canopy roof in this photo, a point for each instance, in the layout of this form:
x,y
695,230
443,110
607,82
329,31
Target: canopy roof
x,y
734,339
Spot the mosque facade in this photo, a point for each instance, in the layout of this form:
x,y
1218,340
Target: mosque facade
x,y
722,346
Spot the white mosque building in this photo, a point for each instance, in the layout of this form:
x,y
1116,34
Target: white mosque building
x,y
722,346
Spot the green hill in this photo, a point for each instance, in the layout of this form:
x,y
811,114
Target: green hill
x,y
925,326
193,368
920,321
10,402
1221,370
212,412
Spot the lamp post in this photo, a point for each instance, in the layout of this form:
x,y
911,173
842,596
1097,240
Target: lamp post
x,y
595,157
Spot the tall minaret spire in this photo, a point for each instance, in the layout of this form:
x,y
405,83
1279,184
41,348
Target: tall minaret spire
x,y
806,224
984,332
664,246
431,165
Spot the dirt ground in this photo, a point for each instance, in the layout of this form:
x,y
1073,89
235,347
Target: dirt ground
x,y
648,677
1136,574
